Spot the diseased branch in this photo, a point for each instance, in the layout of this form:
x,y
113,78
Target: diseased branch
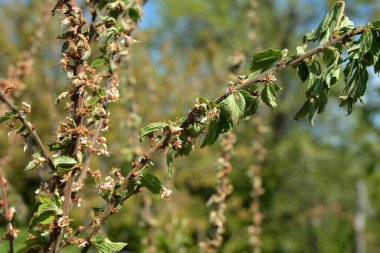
x,y
31,128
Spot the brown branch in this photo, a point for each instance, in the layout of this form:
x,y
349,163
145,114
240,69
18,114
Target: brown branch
x,y
7,214
31,128
73,149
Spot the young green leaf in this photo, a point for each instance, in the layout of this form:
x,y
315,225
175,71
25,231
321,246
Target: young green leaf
x,y
151,128
212,133
134,14
264,60
47,210
151,182
269,93
29,245
104,245
252,103
303,71
312,112
64,162
31,165
233,107
346,25
376,24
303,111
8,116
98,62
169,161
326,27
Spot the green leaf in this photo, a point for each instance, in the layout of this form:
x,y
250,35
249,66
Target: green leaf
x,y
264,60
134,14
376,24
212,133
30,244
104,245
169,161
92,101
107,195
31,165
314,72
312,112
303,71
22,129
98,62
233,107
151,182
151,128
326,27
64,162
303,111
346,25
375,47
269,93
365,43
8,116
44,219
50,207
251,101
332,76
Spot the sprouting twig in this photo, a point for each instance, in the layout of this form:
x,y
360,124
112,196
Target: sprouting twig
x,y
163,143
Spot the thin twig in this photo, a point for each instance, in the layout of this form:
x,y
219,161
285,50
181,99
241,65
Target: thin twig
x,y
31,128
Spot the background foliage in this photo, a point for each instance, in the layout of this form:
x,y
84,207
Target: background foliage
x,y
309,174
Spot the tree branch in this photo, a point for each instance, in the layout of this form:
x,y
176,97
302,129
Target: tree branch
x,y
164,142
31,129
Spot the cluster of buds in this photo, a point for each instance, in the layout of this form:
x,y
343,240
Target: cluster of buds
x,y
165,193
64,221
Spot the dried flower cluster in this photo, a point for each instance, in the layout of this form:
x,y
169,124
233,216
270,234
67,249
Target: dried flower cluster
x,y
254,173
217,201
